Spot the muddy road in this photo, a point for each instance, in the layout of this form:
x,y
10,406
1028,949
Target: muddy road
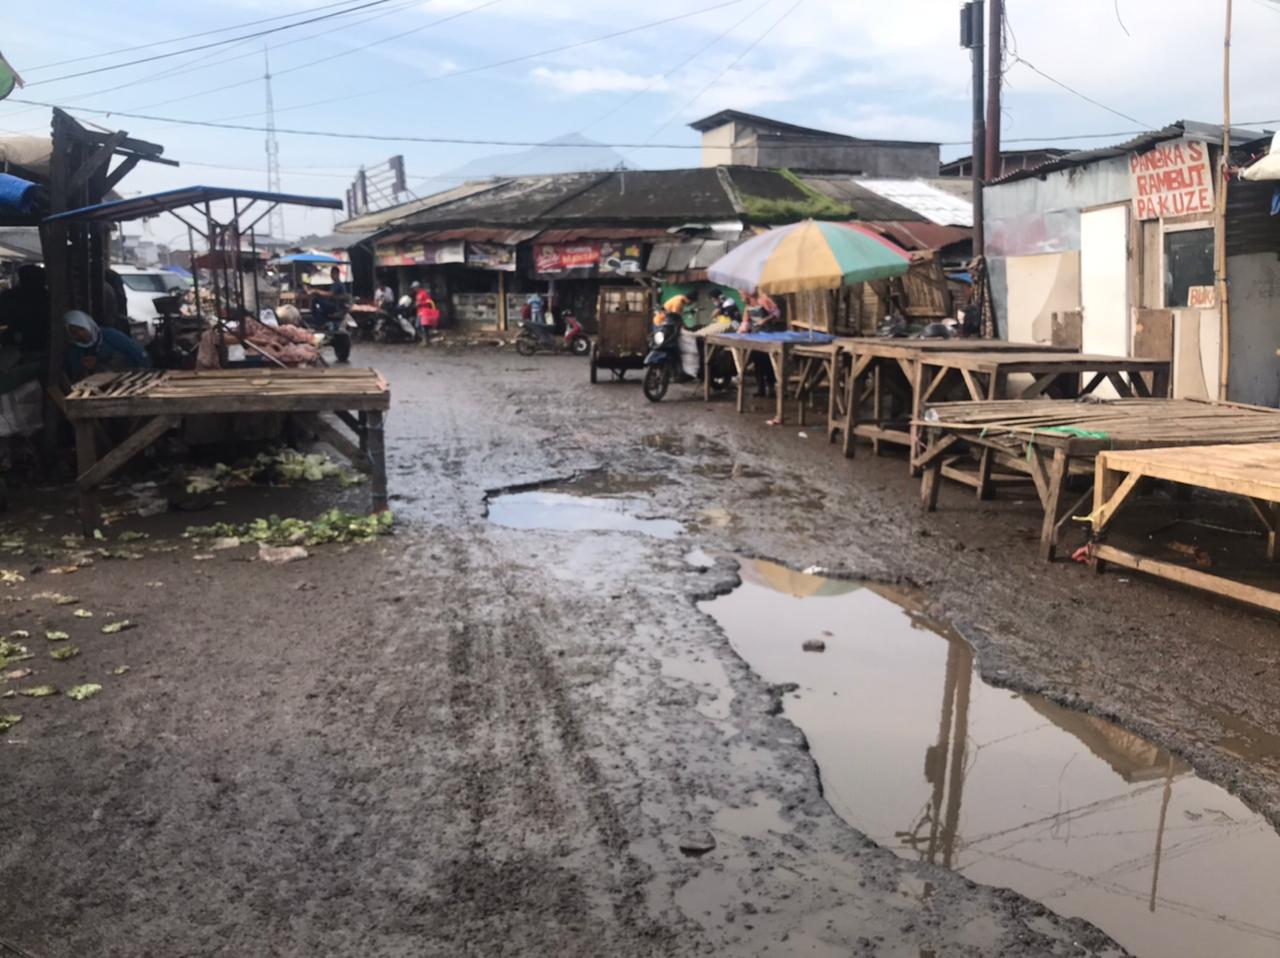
x,y
538,733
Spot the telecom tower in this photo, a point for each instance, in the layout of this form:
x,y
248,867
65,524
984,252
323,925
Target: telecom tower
x,y
275,222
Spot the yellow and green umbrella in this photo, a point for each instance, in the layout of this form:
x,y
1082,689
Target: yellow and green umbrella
x,y
809,255
8,78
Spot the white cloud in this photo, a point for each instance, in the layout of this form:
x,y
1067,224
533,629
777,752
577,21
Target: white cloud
x,y
575,82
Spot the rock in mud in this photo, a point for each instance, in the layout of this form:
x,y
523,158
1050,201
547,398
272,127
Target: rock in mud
x,y
814,645
281,554
695,844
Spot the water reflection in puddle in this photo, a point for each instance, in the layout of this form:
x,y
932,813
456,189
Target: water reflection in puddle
x,y
575,513
1010,790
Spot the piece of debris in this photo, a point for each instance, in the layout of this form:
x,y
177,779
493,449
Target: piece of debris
x,y
82,614
56,635
226,542
10,577
695,844
111,628
39,691
82,692
1195,553
62,653
155,584
203,556
8,721
803,435
280,554
814,645
19,634
64,569
18,674
120,670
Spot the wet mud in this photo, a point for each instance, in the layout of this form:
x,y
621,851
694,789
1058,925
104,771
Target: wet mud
x,y
483,739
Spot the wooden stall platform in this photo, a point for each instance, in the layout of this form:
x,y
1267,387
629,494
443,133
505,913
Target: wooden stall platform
x,y
160,398
778,347
1250,470
1050,440
879,379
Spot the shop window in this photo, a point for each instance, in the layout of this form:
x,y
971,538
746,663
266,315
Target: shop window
x,y
1188,261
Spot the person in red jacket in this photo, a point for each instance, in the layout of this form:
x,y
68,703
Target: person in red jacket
x,y
428,312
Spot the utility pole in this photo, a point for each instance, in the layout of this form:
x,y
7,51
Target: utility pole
x,y
971,29
995,79
275,221
1220,232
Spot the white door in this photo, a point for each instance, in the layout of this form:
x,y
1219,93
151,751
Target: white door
x,y
1104,280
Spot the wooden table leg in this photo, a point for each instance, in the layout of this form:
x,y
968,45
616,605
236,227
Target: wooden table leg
x,y
983,490
739,361
86,457
876,406
833,387
1057,477
708,353
930,483
377,458
778,359
919,382
850,408
363,433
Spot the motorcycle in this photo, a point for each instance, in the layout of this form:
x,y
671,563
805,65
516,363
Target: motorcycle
x,y
534,336
399,324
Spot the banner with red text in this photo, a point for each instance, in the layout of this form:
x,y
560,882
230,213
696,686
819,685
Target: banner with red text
x,y
1172,179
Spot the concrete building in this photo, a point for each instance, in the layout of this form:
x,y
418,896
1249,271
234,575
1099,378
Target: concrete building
x,y
1113,250
731,138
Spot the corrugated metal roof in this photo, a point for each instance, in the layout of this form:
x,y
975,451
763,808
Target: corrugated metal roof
x,y
922,236
924,199
694,254
137,207
580,234
336,240
1139,144
475,235
381,219
850,190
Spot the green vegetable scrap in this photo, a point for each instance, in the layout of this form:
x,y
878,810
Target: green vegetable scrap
x,y
199,483
55,635
82,692
57,598
349,479
120,670
10,577
332,526
82,614
111,628
20,634
8,721
62,653
131,536
39,691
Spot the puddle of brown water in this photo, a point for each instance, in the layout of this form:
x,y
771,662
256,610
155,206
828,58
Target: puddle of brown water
x,y
1010,790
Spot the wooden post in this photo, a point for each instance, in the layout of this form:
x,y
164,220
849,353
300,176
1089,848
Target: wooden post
x,y
1220,220
502,301
1053,504
86,456
377,459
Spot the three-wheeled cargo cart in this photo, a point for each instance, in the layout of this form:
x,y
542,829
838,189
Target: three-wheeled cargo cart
x,y
623,314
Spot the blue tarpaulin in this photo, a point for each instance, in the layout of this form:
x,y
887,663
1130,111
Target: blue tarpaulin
x,y
791,336
17,195
306,258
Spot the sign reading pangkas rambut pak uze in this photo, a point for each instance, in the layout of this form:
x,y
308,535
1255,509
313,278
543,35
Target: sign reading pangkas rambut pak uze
x,y
1172,179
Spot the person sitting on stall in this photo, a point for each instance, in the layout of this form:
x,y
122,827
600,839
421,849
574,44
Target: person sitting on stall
x,y
762,316
92,349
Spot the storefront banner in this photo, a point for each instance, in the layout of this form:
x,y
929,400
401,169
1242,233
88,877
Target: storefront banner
x,y
560,258
492,256
1172,179
422,254
620,259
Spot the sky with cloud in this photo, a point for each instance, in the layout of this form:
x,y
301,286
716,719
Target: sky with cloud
x,y
533,70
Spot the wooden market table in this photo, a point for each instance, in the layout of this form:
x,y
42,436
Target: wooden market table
x,y
1050,440
161,398
1250,470
884,373
778,347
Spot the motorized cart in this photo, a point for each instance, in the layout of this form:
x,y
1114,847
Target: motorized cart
x,y
624,314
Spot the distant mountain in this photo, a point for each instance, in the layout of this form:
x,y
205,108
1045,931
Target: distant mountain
x,y
547,158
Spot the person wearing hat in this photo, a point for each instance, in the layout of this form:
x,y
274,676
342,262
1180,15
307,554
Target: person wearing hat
x,y
92,349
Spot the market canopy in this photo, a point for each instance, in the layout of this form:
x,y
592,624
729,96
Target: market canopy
x,y
810,255
137,207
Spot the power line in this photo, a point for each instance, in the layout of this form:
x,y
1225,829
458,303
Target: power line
x,y
465,141
499,63
732,63
206,46
674,70
1034,69
189,36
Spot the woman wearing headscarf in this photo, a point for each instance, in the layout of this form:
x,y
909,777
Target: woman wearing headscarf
x,y
92,349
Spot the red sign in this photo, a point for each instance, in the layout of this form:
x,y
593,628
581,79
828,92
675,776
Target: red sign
x,y
558,258
1172,179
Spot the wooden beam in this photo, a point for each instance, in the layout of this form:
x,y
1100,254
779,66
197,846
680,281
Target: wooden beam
x,y
1218,585
123,169
102,469
1102,514
98,159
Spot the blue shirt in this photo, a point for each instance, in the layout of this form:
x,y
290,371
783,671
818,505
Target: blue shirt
x,y
115,352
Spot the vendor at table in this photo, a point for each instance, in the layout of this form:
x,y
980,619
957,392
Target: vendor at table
x,y
92,349
762,315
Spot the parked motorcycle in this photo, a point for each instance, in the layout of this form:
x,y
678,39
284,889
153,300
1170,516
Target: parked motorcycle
x,y
534,336
670,344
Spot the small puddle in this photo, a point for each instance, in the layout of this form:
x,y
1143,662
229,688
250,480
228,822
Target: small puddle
x,y
578,511
1010,790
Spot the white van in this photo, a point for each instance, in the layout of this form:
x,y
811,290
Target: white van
x,y
142,285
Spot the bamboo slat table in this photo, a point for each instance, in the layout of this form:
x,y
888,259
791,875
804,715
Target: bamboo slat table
x,y
776,346
1251,470
160,398
1050,440
883,372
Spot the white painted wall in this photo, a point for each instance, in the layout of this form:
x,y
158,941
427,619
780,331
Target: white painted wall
x,y
716,145
1040,286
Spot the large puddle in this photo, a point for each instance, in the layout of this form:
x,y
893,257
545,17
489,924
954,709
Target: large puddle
x,y
1010,790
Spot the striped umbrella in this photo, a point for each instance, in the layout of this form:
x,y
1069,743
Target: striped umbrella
x,y
809,255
